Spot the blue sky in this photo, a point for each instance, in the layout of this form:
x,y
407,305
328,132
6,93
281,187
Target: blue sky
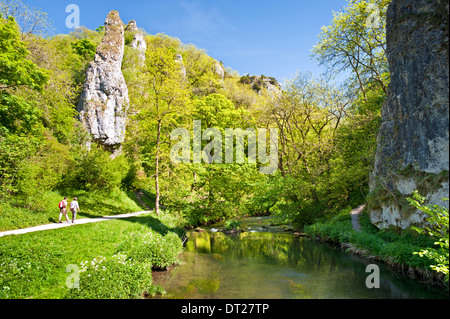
x,y
273,38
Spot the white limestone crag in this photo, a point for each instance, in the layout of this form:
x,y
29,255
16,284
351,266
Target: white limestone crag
x,y
104,100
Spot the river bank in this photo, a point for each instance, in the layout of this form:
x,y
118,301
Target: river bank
x,y
269,261
394,248
352,232
34,265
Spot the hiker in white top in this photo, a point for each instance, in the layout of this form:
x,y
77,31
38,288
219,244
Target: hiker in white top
x,y
74,208
63,209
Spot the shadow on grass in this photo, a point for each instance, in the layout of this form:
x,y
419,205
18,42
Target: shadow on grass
x,y
151,222
102,209
155,224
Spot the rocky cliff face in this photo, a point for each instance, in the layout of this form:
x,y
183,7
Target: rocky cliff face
x,y
103,102
413,143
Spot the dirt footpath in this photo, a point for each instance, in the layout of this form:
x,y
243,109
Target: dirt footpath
x,y
355,217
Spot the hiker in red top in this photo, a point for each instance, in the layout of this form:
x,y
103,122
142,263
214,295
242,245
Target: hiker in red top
x,y
63,209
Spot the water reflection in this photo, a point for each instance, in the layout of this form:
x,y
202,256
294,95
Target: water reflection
x,y
276,265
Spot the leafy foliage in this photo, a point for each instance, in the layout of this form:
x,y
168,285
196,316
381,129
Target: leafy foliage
x,y
84,48
351,43
95,170
15,69
327,135
437,217
232,224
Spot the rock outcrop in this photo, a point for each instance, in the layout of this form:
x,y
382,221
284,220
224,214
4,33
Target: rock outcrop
x,y
262,82
413,142
219,70
136,40
103,102
179,60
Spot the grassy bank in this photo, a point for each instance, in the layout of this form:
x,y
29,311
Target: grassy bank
x,y
14,214
114,259
395,248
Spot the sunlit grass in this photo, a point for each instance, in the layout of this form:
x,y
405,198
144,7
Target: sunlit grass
x,y
34,265
92,204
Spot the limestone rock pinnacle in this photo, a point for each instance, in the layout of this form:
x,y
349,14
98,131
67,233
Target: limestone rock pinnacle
x,y
103,102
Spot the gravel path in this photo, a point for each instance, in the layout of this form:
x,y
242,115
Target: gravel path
x,y
66,224
355,217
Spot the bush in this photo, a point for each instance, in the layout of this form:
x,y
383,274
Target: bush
x,y
438,229
95,170
14,150
115,278
84,48
232,224
41,173
152,248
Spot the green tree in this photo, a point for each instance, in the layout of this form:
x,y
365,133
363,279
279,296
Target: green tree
x,y
20,127
17,71
200,71
84,48
59,96
158,99
327,145
215,110
356,44
30,20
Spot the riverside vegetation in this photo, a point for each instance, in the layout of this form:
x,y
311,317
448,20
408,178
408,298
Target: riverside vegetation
x,y
327,147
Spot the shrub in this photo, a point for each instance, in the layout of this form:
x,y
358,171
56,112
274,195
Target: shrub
x,y
115,278
41,173
95,170
438,229
153,248
232,224
84,48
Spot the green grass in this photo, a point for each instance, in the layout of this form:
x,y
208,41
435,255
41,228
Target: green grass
x,y
14,216
114,257
92,204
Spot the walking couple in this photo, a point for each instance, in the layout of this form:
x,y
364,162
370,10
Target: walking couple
x,y
73,208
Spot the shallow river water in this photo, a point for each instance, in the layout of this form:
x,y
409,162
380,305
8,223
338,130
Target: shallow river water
x,y
269,263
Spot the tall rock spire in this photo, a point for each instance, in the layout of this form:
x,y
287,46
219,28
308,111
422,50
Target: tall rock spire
x,y
104,99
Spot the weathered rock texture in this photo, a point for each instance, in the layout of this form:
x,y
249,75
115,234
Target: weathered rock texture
x,y
179,60
103,102
219,70
136,40
413,142
258,83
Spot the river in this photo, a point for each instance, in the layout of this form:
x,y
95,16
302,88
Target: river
x,y
267,262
